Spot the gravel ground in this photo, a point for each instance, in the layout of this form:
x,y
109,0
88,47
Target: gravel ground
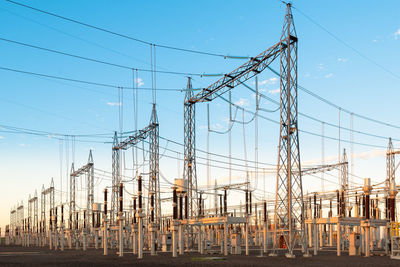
x,y
37,256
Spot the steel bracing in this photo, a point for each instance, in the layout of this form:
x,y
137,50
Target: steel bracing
x,y
189,168
289,206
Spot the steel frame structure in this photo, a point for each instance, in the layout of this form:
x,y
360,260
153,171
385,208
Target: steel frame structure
x,y
289,206
87,169
152,132
238,76
33,216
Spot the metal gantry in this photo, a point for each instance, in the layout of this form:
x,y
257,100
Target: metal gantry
x,y
87,170
289,206
152,133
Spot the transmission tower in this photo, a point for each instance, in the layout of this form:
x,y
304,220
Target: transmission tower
x,y
344,181
189,168
90,188
72,193
154,181
390,164
115,179
289,206
344,173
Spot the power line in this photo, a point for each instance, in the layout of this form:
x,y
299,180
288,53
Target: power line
x,y
126,36
106,62
318,120
337,106
90,82
347,45
304,131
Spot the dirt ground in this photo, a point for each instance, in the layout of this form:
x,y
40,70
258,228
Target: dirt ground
x,y
37,256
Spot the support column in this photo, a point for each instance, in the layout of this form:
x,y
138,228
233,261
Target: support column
x,y
181,248
338,241
265,237
247,236
174,239
140,232
225,239
315,226
367,232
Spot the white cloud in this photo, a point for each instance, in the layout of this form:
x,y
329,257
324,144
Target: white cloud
x,y
342,59
397,34
139,82
275,91
113,104
1,137
24,145
242,102
321,66
272,80
329,75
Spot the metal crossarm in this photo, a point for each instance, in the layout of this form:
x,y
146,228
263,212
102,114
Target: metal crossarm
x,y
248,70
136,138
322,168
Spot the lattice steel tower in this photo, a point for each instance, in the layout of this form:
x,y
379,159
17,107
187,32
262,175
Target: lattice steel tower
x,y
154,180
189,168
90,189
390,164
289,206
115,180
344,173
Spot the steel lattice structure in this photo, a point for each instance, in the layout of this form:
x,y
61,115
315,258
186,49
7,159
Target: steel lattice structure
x,y
289,206
151,132
322,168
115,179
33,213
87,170
189,168
154,180
390,164
344,173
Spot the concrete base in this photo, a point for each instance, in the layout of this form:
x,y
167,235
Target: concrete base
x,y
290,256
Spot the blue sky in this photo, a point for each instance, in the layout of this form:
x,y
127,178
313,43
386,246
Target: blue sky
x,y
352,75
